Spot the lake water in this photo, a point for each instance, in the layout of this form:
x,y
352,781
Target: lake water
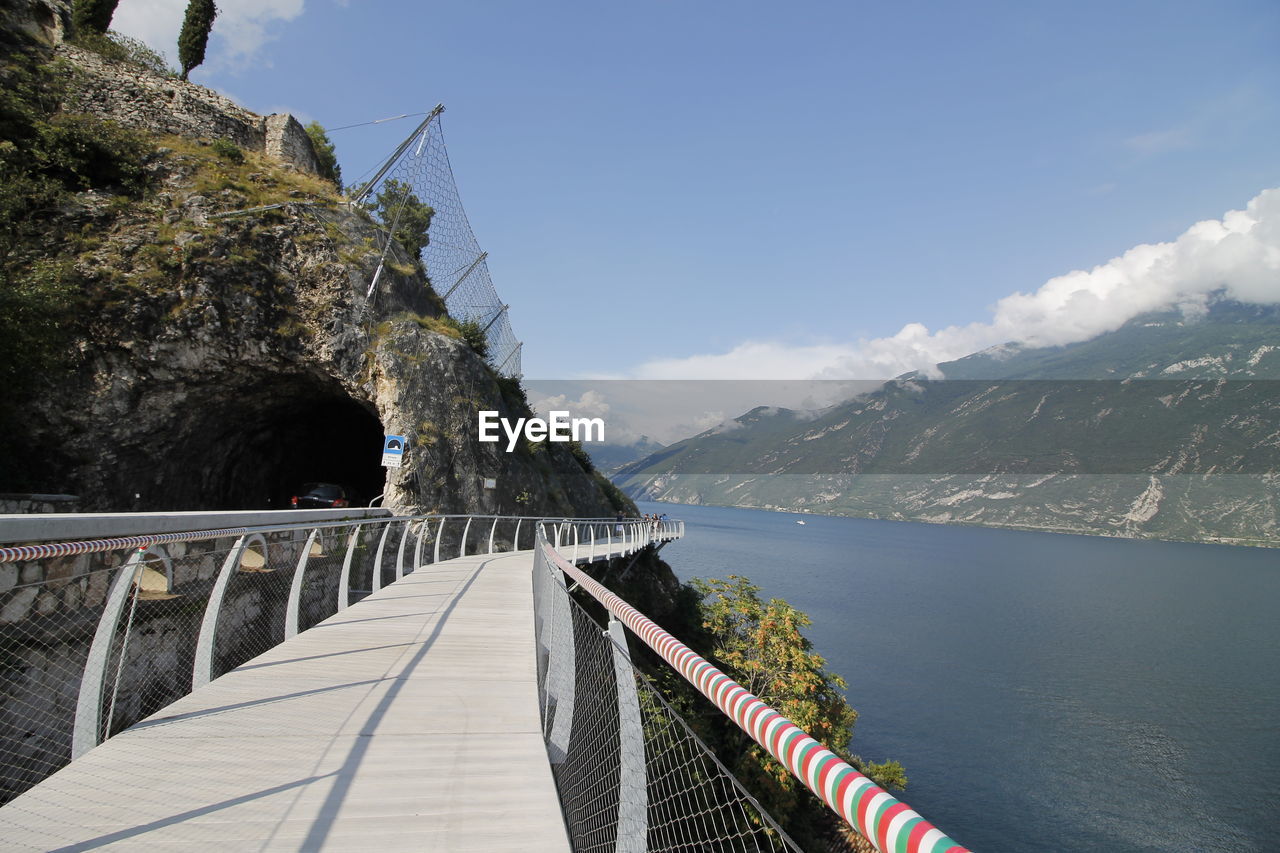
x,y
1043,691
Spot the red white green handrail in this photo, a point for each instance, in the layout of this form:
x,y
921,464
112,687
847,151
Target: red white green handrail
x,y
884,820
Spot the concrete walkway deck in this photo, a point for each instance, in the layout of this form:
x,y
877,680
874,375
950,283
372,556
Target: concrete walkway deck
x,y
407,722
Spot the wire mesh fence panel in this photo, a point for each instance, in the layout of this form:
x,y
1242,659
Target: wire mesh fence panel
x,y
419,203
388,539
360,569
449,536
253,615
630,774
93,643
48,613
423,542
318,586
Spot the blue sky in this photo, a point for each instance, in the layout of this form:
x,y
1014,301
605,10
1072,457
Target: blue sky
x,y
713,188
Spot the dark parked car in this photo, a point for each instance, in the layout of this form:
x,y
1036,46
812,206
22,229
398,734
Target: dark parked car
x,y
321,496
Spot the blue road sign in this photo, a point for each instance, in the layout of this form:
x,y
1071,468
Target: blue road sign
x,y
393,451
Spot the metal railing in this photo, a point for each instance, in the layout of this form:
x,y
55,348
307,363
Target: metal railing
x,y
604,741
631,775
98,633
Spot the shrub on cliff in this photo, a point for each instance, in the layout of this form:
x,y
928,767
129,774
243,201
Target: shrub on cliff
x,y
46,153
325,154
122,48
405,215
227,150
473,333
92,16
194,37
761,645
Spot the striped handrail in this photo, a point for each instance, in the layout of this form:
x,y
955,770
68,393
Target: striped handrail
x,y
16,553
881,818
75,547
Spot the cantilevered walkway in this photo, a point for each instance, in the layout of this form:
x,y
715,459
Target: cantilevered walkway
x,y
467,704
408,721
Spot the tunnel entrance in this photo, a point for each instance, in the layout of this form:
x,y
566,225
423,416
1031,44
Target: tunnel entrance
x,y
253,446
326,441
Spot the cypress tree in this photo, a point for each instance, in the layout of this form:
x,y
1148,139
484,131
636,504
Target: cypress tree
x,y
92,16
194,37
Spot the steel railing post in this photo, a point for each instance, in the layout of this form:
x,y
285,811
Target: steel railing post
x,y
462,549
85,732
633,799
344,579
424,527
202,672
377,559
439,536
561,670
493,529
295,588
404,537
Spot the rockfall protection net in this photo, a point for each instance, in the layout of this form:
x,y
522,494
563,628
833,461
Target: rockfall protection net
x,y
454,262
630,774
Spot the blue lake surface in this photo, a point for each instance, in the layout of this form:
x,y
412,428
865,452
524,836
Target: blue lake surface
x,y
1043,691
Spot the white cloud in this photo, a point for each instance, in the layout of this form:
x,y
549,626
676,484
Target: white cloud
x,y
242,28
750,360
1238,254
240,31
155,22
713,420
590,404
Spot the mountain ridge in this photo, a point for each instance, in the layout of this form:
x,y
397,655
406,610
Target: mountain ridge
x,y
1167,428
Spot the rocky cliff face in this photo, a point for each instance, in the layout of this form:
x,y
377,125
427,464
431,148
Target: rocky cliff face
x,y
221,359
27,22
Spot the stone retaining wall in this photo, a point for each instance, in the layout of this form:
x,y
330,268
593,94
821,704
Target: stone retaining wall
x,y
135,97
29,504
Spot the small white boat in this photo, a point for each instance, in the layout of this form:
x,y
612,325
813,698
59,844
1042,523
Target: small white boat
x,y
799,522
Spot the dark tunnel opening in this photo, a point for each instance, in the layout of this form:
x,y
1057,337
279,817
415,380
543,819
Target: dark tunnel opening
x,y
325,441
256,447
